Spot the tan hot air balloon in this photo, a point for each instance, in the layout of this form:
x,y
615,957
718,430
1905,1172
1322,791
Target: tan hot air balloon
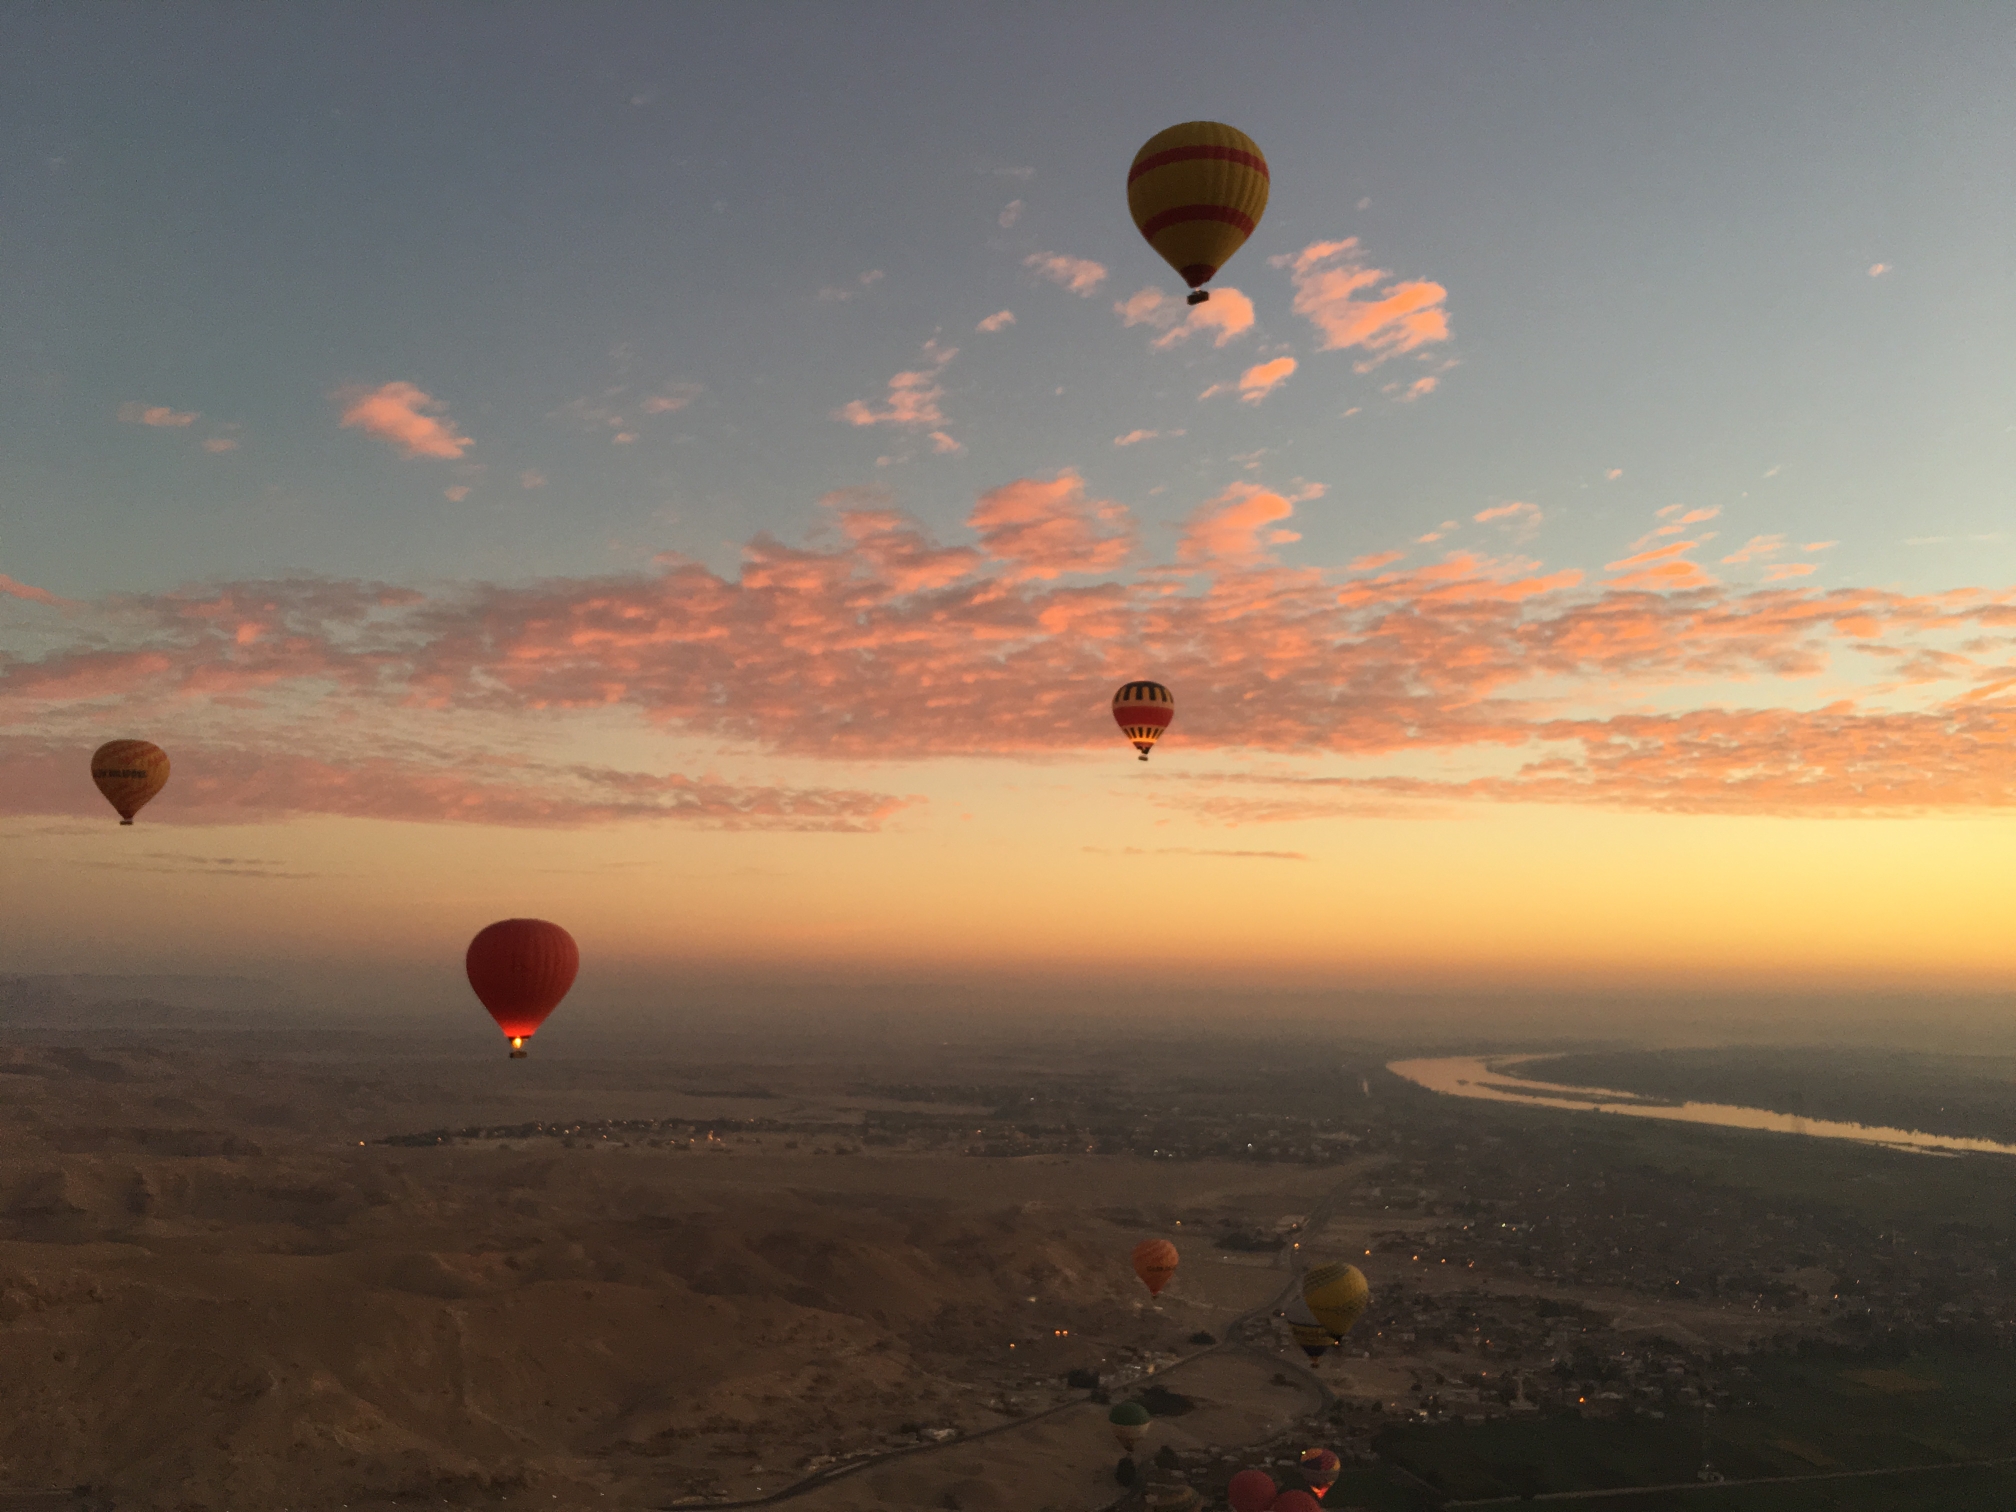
x,y
1155,1264
1196,191
128,773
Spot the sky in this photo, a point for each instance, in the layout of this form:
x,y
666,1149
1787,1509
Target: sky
x,y
697,474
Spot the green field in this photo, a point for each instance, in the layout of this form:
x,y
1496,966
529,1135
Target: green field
x,y
1828,1409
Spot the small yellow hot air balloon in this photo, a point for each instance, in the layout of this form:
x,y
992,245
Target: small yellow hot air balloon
x,y
1337,1296
128,773
1196,191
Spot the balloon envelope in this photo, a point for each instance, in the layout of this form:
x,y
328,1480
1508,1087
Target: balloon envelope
x,y
1196,191
1128,1421
128,773
1251,1491
1143,711
520,969
1337,1295
1155,1263
1319,1468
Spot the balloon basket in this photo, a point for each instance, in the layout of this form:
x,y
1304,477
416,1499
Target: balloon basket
x,y
1198,296
518,1049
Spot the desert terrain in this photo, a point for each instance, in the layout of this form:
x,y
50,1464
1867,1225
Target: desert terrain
x,y
247,1263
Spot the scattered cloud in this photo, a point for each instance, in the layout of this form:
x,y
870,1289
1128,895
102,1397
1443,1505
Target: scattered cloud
x,y
1010,213
1228,313
623,438
1136,437
913,396
1447,527
136,413
14,588
945,445
1420,388
1353,305
1237,527
1614,474
1877,270
1000,320
220,444
672,399
1753,549
1015,173
1045,529
1257,382
1520,519
1080,275
1778,572
405,417
456,494
874,640
531,478
862,284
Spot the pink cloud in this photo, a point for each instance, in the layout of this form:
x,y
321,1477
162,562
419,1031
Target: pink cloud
x,y
1663,567
1512,511
1237,526
1080,275
405,417
1046,529
220,444
1010,213
135,413
913,397
1000,320
1375,561
1258,381
1755,547
671,400
876,641
1354,305
1136,437
531,478
1778,572
224,784
13,588
456,494
1228,313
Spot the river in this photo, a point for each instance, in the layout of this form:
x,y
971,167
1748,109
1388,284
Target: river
x,y
1477,1076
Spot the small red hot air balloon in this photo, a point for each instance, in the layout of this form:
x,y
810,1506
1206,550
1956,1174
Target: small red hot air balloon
x,y
1155,1264
1143,711
521,968
1296,1501
1251,1491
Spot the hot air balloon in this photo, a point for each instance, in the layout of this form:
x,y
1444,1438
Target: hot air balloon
x,y
1155,1264
128,773
1319,1468
1296,1501
521,968
1143,711
1196,191
1311,1337
1129,1421
1251,1491
1336,1294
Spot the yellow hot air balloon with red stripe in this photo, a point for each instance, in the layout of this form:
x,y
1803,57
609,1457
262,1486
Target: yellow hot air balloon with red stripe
x,y
128,773
1196,191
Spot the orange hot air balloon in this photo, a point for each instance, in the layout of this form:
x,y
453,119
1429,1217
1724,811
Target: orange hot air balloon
x,y
1155,1264
128,773
521,968
1143,710
1196,191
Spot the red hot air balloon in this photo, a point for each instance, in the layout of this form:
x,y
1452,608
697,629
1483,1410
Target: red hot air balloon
x,y
1251,1491
128,773
1296,1501
1155,1264
521,968
1143,711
